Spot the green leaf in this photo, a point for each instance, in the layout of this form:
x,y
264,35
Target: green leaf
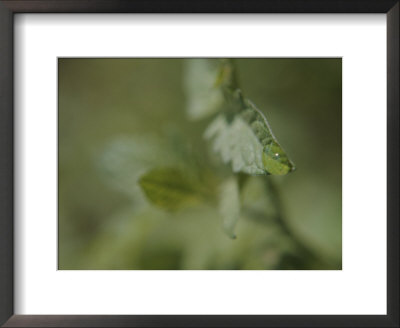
x,y
245,140
170,188
203,96
229,205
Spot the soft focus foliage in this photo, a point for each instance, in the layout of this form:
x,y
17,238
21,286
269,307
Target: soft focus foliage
x,y
203,96
170,188
229,204
140,187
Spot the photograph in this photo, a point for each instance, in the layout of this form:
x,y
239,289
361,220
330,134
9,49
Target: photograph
x,y
199,163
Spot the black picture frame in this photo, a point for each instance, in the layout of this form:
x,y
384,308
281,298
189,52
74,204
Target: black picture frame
x,y
10,7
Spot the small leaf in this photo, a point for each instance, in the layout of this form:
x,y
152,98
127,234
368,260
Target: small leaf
x,y
274,158
170,188
246,141
229,205
204,97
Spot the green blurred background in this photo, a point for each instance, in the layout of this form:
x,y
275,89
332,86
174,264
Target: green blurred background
x,y
119,117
